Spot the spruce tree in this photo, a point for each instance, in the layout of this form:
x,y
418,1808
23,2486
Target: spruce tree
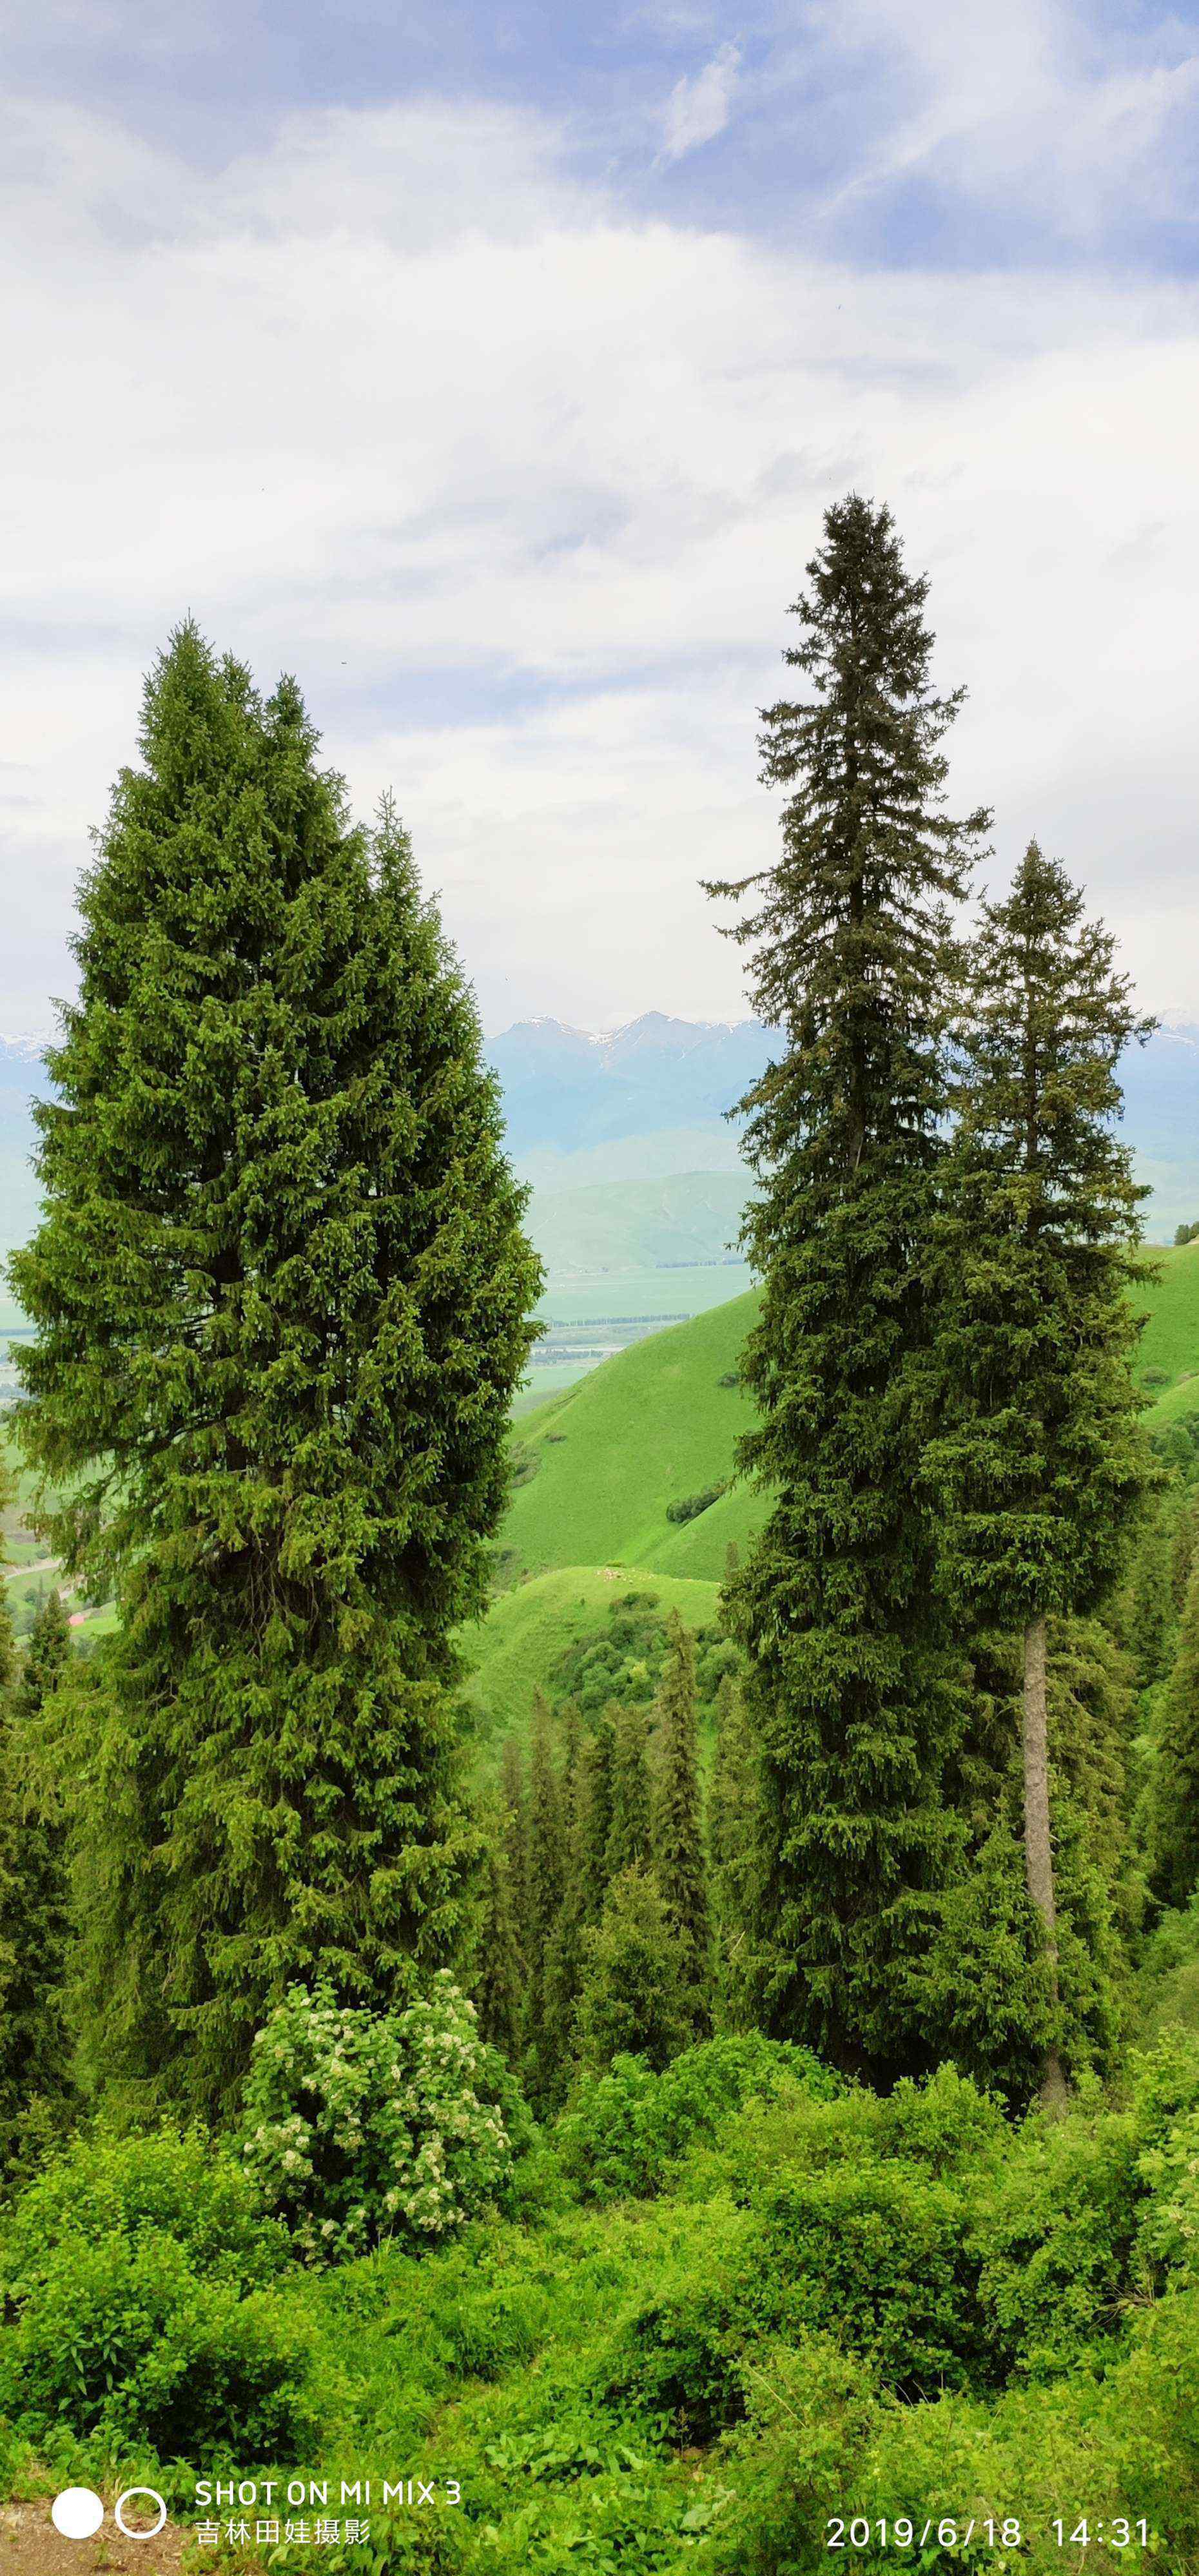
x,y
282,1294
680,1866
595,1812
1038,1462
547,1873
1174,1836
629,1831
35,1916
848,1679
514,1828
1184,1549
633,1996
734,1836
1150,1608
563,1973
498,1983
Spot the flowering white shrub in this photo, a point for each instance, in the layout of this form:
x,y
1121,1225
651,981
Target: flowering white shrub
x,y
358,2125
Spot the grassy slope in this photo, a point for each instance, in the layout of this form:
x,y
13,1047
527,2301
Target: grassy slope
x,y
647,1428
654,1424
515,1648
1170,1304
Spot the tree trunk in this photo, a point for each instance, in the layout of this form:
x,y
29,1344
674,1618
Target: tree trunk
x,y
1038,1851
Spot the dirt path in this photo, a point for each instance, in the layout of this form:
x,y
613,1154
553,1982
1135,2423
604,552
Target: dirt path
x,y
30,2546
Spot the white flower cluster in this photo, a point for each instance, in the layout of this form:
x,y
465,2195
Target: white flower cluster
x,y
400,2132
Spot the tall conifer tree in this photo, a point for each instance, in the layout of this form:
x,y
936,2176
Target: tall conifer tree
x,y
281,1293
1039,1463
629,1831
595,1812
678,1845
35,1916
835,1607
546,1879
1174,1837
734,1836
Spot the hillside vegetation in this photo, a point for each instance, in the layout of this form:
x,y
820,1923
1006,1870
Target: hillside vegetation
x,y
602,1463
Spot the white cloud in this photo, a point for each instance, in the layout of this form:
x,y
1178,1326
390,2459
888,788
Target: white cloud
x,y
699,108
521,487
1027,106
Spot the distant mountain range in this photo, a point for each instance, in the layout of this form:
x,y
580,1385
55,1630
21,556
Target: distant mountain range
x,y
645,1105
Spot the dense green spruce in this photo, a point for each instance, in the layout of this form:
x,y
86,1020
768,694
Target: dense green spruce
x,y
848,1685
633,1995
1174,1838
680,1866
497,1983
35,2044
629,1829
546,1848
281,1295
1039,1463
1151,1601
734,1850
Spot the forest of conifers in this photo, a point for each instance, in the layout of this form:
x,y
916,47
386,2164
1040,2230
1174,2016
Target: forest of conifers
x,y
747,2120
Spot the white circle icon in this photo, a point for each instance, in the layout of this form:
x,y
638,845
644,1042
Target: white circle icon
x,y
130,2530
77,2512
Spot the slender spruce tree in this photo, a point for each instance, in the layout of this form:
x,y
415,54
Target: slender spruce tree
x,y
595,1812
282,1300
1150,1607
629,1831
1184,1549
633,1994
679,1860
514,1827
546,1878
1174,1832
1039,1463
35,1915
497,1984
848,1680
734,1841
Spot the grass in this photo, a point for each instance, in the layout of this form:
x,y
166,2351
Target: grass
x,y
514,1649
642,1431
1170,1305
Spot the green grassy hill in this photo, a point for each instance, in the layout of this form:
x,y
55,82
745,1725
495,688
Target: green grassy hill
x,y
1169,1346
514,1649
602,1461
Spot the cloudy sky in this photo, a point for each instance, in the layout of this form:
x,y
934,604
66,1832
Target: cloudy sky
x,y
490,366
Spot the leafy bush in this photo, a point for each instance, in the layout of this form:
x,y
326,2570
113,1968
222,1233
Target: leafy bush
x,y
876,2255
691,1505
623,1656
125,2340
359,2126
173,2183
1054,2241
1167,2238
622,2129
136,2267
945,2122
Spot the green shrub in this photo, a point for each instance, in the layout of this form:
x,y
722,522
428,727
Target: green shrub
x,y
622,2130
689,1507
175,2184
359,2126
945,2122
136,2267
877,2256
1167,2238
123,2339
1054,2241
